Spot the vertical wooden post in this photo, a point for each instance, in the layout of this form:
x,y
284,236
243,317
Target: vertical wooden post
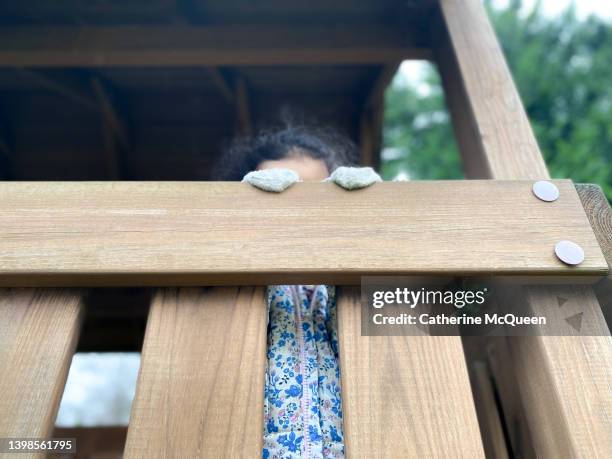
x,y
564,381
366,139
372,117
244,121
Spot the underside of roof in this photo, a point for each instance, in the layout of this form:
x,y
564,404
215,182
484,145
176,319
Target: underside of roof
x,y
153,90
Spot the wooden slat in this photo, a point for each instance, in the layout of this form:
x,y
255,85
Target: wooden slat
x,y
487,408
170,233
100,442
564,381
372,117
222,84
114,131
495,354
69,86
244,119
366,140
38,334
150,46
599,213
404,396
201,383
492,129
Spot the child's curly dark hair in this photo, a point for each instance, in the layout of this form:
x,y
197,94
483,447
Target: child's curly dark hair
x,y
245,154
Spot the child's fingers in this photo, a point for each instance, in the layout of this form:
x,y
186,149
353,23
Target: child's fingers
x,y
352,178
274,180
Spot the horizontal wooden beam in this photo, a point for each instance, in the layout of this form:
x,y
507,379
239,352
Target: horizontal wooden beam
x,y
214,233
168,46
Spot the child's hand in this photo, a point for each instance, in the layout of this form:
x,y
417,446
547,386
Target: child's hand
x,y
275,180
352,178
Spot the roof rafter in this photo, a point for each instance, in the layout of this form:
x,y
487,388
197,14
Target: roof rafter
x,y
169,46
115,132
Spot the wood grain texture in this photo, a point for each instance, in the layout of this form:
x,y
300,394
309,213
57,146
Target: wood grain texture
x,y
198,233
38,334
489,415
372,116
183,46
403,396
201,383
599,213
490,123
564,381
496,354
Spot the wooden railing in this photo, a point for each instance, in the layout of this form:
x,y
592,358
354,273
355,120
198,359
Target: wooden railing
x,y
200,389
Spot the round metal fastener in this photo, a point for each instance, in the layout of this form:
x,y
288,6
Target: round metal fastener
x,y
546,191
569,252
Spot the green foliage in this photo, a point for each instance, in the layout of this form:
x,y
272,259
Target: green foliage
x,y
562,68
418,129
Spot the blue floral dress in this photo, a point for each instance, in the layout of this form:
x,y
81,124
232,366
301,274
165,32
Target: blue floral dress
x,y
302,406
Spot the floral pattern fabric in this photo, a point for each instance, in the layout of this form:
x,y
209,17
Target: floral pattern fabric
x,y
302,406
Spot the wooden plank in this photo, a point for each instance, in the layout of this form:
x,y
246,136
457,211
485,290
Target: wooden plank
x,y
599,213
108,106
172,46
492,129
201,383
70,89
496,353
494,357
376,94
38,334
403,396
494,440
182,233
564,381
366,139
372,117
244,120
221,83
6,153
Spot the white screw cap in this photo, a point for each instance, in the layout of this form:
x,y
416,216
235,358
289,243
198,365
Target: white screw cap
x,y
569,252
546,191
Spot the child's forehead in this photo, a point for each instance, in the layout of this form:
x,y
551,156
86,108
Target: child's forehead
x,y
307,167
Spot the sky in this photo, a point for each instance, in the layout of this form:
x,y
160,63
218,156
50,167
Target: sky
x,y
601,8
99,389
